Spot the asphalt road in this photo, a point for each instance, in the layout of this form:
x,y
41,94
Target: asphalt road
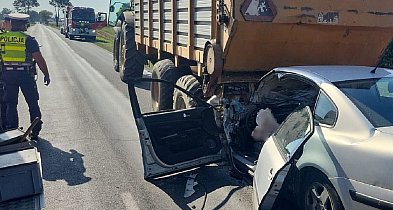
x,y
90,147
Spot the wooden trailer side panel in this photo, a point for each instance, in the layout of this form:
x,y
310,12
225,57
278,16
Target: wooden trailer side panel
x,y
169,26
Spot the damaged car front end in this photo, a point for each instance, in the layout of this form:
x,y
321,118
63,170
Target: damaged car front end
x,y
297,130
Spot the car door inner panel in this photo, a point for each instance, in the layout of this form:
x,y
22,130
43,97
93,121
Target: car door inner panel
x,y
183,135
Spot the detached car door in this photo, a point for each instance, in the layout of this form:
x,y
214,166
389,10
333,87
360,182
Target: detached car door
x,y
175,140
278,154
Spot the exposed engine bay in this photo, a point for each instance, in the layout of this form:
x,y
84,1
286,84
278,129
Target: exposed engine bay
x,y
249,113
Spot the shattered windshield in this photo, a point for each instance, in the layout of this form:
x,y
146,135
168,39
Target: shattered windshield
x,y
373,97
83,15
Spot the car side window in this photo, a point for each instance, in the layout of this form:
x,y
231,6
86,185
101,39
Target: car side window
x,y
325,110
292,133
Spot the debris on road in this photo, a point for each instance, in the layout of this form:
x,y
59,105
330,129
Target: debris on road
x,y
191,183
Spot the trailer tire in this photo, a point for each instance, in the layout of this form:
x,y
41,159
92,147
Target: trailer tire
x,y
115,51
131,61
162,94
192,85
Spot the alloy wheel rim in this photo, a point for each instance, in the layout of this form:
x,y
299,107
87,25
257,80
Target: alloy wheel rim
x,y
318,198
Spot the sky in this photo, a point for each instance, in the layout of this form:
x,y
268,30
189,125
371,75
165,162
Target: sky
x,y
98,5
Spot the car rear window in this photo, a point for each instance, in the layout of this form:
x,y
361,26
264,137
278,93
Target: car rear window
x,y
373,97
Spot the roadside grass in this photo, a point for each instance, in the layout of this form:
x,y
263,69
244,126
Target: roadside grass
x,y
105,38
53,25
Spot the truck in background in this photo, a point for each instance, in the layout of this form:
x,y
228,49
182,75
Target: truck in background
x,y
81,22
101,20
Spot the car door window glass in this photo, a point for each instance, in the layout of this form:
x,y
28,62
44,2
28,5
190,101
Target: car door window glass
x,y
373,97
292,132
325,111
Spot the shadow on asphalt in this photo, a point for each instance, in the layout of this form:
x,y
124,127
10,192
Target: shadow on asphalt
x,y
210,178
61,165
87,40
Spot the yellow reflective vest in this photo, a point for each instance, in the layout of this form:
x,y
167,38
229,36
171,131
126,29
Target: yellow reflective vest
x,y
13,47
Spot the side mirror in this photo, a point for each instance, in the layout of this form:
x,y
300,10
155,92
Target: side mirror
x,y
111,9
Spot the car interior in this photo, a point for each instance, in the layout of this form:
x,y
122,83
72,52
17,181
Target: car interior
x,y
282,94
183,135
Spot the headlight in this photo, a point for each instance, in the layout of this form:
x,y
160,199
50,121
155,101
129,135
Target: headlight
x,y
94,31
73,29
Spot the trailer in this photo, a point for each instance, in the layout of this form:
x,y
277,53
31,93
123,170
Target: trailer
x,y
224,38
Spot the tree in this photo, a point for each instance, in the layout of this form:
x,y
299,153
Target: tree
x,y
45,16
4,12
25,5
58,5
34,16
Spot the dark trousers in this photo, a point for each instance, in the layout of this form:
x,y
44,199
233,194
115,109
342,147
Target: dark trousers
x,y
13,80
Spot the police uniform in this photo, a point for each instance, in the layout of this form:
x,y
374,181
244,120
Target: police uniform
x,y
16,56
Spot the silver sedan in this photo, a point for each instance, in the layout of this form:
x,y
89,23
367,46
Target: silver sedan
x,y
337,152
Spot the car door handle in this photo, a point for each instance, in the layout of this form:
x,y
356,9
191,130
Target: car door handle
x,y
186,115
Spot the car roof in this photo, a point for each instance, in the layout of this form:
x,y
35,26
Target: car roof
x,y
321,74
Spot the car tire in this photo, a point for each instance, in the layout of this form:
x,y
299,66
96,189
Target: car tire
x,y
162,94
71,37
314,188
131,61
182,100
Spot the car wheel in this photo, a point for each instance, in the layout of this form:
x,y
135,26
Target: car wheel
x,y
318,194
192,85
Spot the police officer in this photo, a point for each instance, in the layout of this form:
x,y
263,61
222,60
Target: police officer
x,y
17,53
